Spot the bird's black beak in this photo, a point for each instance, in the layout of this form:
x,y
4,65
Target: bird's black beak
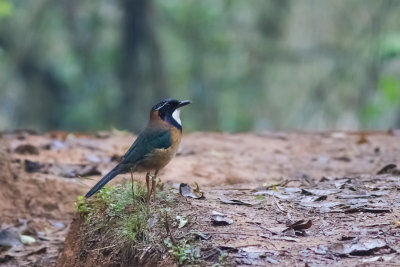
x,y
184,103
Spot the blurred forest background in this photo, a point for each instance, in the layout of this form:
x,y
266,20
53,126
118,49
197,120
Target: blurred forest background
x,y
85,65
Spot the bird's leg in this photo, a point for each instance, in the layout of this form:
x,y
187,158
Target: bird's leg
x,y
154,183
133,192
148,185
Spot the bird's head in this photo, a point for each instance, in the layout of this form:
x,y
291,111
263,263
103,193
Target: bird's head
x,y
168,111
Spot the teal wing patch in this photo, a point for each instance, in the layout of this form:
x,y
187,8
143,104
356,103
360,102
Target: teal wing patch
x,y
145,143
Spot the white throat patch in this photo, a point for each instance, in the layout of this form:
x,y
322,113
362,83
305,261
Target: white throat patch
x,y
176,116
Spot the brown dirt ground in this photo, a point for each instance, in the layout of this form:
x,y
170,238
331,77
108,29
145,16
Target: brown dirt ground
x,y
354,215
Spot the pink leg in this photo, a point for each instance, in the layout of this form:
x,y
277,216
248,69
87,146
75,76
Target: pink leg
x,y
148,185
154,186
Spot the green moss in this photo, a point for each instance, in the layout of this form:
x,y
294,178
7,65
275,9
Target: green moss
x,y
115,200
134,225
82,207
123,206
121,217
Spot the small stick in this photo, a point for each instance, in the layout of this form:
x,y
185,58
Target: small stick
x,y
148,186
227,233
277,204
133,192
102,248
168,230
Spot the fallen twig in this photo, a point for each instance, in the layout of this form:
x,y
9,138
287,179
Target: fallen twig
x,y
277,204
167,228
98,249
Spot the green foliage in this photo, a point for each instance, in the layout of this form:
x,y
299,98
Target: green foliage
x,y
134,225
391,46
106,195
386,99
181,250
6,8
129,208
82,206
389,88
248,66
117,198
370,112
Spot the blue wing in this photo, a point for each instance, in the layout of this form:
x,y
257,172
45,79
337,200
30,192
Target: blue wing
x,y
147,141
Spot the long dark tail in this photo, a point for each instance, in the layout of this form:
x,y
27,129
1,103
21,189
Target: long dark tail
x,y
114,172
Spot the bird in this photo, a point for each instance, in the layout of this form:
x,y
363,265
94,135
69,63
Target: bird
x,y
154,147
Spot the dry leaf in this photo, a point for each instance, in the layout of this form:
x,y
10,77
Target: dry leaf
x,y
389,169
186,191
235,202
221,221
299,225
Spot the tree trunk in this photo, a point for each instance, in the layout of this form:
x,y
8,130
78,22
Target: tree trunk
x,y
141,70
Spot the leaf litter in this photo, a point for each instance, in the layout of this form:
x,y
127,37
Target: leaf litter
x,y
63,170
362,248
342,195
186,191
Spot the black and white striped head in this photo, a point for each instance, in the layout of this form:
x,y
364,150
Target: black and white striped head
x,y
168,110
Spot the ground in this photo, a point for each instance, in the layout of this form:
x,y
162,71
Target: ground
x,y
257,188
